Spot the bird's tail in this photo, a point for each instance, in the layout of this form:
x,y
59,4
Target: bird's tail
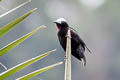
x,y
88,49
83,61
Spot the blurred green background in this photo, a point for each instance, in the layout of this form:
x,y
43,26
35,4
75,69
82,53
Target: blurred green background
x,y
97,22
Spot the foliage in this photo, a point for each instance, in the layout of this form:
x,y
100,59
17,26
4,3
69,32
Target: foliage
x,y
35,73
21,66
4,30
16,42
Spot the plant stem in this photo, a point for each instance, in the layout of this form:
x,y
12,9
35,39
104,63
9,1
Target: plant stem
x,y
68,57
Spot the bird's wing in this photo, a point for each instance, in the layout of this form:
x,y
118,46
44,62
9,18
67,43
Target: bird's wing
x,y
75,33
73,30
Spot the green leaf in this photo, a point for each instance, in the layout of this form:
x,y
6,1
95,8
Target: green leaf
x,y
16,42
4,14
35,73
5,29
23,65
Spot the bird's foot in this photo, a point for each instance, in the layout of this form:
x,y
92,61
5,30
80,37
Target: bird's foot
x,y
65,57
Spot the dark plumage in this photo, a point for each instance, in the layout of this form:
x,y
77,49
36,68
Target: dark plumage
x,y
77,44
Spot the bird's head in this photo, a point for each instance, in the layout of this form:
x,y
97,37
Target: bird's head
x,y
61,23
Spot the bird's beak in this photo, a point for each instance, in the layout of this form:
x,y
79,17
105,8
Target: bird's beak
x,y
54,22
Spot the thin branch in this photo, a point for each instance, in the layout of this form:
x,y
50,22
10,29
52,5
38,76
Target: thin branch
x,y
68,57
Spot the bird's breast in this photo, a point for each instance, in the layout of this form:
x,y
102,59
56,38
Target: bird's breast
x,y
58,29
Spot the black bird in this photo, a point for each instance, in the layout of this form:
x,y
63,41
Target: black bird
x,y
77,44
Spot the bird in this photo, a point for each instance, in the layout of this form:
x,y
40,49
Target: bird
x,y
78,46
